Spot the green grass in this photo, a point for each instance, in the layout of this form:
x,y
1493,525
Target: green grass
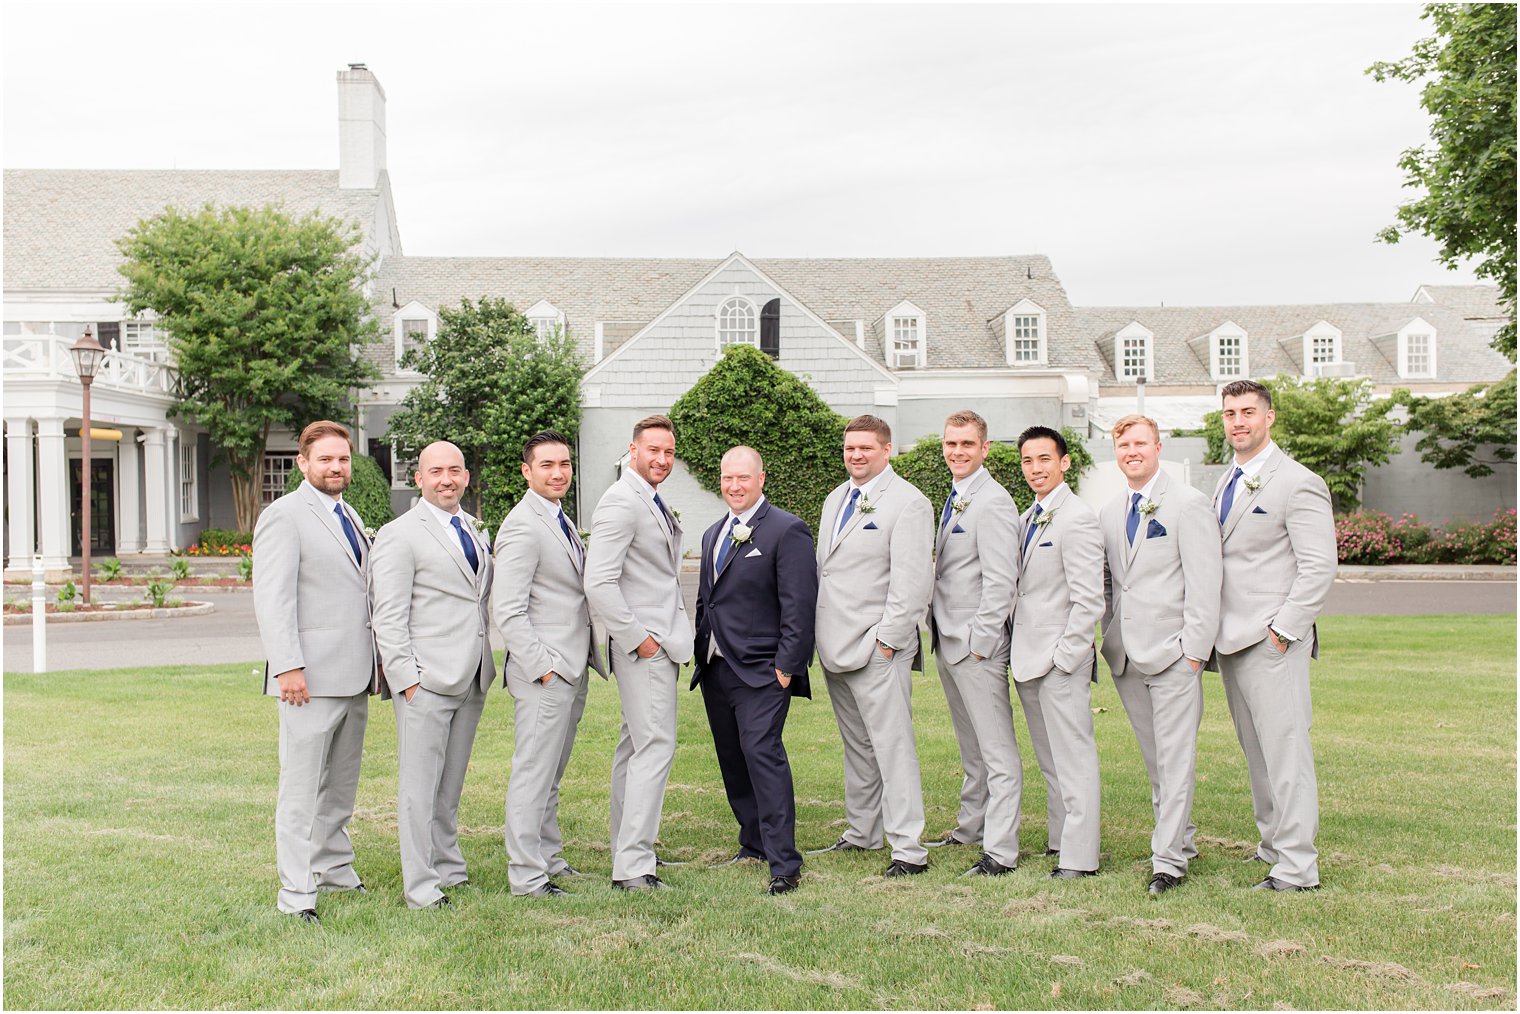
x,y
139,864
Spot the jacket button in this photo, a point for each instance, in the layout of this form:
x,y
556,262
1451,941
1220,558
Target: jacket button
x,y
480,633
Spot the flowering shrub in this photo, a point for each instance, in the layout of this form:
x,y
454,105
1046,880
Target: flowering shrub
x,y
218,549
1369,537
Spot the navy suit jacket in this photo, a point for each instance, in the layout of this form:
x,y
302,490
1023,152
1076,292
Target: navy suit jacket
x,y
761,604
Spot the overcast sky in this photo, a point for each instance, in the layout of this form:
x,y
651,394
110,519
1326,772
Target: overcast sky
x,y
1181,154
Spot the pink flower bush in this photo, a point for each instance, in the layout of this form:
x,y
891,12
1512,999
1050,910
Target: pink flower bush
x,y
1370,537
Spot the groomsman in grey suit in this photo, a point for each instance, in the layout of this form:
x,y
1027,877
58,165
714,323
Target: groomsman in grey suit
x,y
538,601
975,577
1161,588
1059,602
1279,565
431,585
875,577
633,568
310,567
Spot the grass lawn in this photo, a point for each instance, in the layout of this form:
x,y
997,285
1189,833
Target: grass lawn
x,y
139,863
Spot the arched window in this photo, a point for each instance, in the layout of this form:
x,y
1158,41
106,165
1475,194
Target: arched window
x,y
737,323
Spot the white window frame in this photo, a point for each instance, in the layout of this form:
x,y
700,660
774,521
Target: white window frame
x,y
905,313
545,318
1322,331
1416,328
272,491
411,311
144,339
1024,309
400,469
1133,331
189,491
720,319
1229,329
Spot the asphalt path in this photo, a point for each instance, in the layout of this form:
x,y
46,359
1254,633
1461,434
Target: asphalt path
x,y
230,634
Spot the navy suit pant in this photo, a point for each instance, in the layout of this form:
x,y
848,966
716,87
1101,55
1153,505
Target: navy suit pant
x,y
746,726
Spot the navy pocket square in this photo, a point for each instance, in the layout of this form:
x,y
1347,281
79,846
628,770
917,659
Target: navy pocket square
x,y
1155,530
870,526
957,530
1257,510
1044,544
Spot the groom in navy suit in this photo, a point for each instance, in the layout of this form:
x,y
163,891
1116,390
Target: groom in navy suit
x,y
755,604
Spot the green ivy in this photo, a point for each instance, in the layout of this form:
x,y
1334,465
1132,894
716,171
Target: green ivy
x,y
369,494
924,465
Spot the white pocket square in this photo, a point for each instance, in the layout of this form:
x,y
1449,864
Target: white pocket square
x,y
752,552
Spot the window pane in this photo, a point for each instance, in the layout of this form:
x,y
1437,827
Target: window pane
x,y
277,468
736,323
1132,358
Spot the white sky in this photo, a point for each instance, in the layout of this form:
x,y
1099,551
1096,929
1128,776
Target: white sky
x,y
1181,154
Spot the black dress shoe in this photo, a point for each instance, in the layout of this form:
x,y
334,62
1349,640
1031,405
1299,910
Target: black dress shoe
x,y
1273,884
568,871
308,915
903,868
948,839
742,856
548,889
987,867
783,885
1163,882
441,903
360,889
839,846
1254,857
1051,852
1061,873
648,882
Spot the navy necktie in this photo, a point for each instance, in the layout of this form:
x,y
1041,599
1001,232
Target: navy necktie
x,y
564,526
1038,510
849,508
348,530
1132,523
944,515
727,544
467,544
1228,500
669,518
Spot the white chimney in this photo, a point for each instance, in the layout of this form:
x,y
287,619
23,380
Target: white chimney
x,y
361,128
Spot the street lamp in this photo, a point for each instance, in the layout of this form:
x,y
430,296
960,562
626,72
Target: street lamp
x,y
88,355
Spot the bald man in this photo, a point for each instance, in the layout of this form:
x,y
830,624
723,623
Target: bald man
x,y
430,585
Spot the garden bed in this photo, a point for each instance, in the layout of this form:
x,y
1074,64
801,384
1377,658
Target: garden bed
x,y
18,613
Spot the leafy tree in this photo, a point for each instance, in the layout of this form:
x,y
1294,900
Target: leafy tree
x,y
747,399
264,314
369,494
924,466
1468,174
491,383
1333,427
1473,430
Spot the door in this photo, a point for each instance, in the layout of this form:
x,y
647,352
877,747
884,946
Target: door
x,y
102,504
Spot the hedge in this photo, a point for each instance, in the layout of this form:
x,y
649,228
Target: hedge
x,y
1370,537
924,466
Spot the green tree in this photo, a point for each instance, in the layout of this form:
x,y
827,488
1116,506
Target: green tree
x,y
1468,173
369,494
491,382
747,399
1333,427
1473,430
265,315
924,466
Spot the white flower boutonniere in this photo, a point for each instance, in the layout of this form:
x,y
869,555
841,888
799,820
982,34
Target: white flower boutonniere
x,y
480,525
959,504
585,535
864,505
1148,507
1252,483
741,534
1044,519
370,533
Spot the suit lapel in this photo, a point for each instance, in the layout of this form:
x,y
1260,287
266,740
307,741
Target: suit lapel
x,y
1052,504
966,494
873,497
320,505
1158,491
1246,499
754,523
672,537
551,522
446,539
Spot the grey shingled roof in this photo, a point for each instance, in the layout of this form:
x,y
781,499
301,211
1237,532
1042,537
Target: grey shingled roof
x,y
61,225
1462,354
959,295
1475,302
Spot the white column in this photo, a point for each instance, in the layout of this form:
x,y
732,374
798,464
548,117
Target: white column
x,y
156,481
53,515
21,533
129,492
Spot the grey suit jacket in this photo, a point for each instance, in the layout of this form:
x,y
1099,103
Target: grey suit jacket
x,y
432,614
1161,594
538,599
310,596
633,573
1279,556
876,578
976,573
1060,596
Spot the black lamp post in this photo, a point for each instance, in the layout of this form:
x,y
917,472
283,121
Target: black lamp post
x,y
88,355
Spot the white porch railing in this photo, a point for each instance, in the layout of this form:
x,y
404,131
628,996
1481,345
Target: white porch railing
x,y
47,356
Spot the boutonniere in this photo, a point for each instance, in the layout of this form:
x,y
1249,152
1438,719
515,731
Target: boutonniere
x,y
864,505
585,535
741,534
1148,507
1252,482
370,533
959,504
1044,519
675,514
480,525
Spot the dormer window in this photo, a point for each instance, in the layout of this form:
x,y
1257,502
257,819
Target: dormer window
x,y
904,326
1411,350
738,323
1322,348
1419,355
545,318
1024,334
412,326
1133,353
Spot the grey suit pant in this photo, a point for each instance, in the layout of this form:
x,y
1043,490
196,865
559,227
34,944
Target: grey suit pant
x,y
321,743
1164,711
434,734
1268,695
641,762
1058,709
882,790
993,788
544,722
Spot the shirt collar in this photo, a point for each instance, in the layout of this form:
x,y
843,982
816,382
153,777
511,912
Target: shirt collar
x,y
744,518
1256,464
552,506
959,486
872,485
643,482
1144,491
332,499
1043,500
444,517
